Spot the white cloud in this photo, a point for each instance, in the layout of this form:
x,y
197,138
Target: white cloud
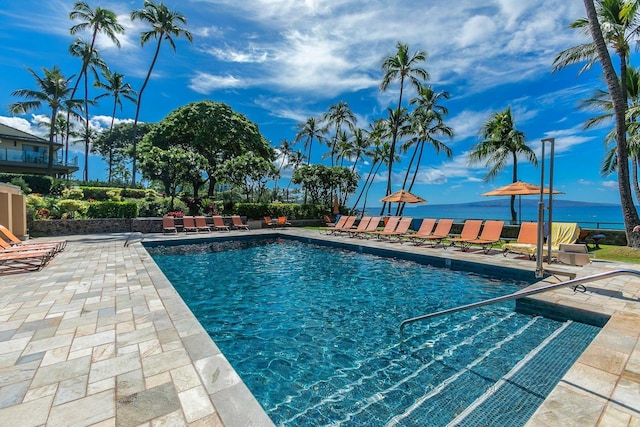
x,y
251,54
25,125
610,184
206,83
478,29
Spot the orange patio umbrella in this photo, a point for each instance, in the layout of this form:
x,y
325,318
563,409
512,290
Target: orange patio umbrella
x,y
519,188
403,196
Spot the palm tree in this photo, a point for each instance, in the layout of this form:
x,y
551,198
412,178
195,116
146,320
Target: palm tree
x,y
54,91
91,57
397,121
377,152
501,143
98,21
338,115
116,87
357,148
308,131
285,150
427,124
401,67
164,24
613,23
296,159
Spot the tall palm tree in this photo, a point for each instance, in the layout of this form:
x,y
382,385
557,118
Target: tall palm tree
x,y
116,87
307,132
98,21
358,146
427,125
285,150
164,24
377,134
397,122
501,143
611,23
338,114
54,91
401,66
295,161
91,57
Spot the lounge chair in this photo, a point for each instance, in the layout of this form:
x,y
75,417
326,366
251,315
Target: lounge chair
x,y
490,236
328,222
237,223
14,241
573,254
201,224
439,234
189,224
391,225
283,222
470,231
526,242
344,223
367,225
218,223
6,247
360,228
168,225
426,227
268,221
401,228
22,260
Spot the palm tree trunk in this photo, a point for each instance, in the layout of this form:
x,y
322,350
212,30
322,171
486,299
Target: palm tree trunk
x,y
636,184
415,173
54,112
86,116
135,121
394,139
514,214
629,212
364,187
400,207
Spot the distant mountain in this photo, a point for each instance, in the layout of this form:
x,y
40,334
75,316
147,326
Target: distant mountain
x,y
527,201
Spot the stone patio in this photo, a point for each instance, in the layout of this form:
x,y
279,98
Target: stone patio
x,y
99,337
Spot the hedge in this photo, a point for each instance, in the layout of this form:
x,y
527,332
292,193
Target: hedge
x,y
112,210
291,210
40,184
99,194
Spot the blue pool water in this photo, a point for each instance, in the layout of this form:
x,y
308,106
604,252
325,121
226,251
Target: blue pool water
x,y
313,332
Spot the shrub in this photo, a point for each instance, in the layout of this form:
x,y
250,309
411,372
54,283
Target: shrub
x,y
112,210
113,195
73,193
20,182
37,183
134,193
71,208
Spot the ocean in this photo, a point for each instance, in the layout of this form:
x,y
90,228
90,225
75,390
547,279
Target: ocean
x,y
587,215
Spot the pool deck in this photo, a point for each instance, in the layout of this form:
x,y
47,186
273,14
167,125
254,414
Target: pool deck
x,y
99,337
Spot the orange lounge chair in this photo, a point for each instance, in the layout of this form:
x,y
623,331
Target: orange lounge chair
x,y
490,236
527,242
439,234
268,221
426,227
371,227
218,223
168,225
401,229
237,223
470,231
23,260
328,222
282,221
390,226
5,247
201,224
345,224
361,228
14,241
189,224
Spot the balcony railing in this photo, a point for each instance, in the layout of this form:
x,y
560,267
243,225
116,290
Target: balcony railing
x,y
17,156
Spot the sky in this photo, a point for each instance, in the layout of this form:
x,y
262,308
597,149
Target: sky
x,y
279,62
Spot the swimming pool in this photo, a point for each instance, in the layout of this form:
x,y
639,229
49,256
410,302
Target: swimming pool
x,y
313,332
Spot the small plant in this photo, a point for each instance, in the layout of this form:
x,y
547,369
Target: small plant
x,y
43,213
114,196
70,208
176,214
73,193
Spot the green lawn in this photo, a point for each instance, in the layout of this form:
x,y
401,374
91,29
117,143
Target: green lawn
x,y
618,253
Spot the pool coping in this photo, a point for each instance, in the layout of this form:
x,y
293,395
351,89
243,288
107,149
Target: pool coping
x,y
102,327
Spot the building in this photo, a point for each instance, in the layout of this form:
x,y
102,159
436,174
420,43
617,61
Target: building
x,y
21,152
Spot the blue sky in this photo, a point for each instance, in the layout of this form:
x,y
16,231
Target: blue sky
x,y
280,62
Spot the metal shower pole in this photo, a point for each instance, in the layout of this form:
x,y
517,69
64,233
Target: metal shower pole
x,y
540,243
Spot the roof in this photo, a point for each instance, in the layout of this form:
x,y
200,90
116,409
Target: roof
x,y
12,133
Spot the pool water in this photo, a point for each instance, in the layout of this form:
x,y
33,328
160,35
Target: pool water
x,y
314,333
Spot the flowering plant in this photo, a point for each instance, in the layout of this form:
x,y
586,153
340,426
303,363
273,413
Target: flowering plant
x,y
176,214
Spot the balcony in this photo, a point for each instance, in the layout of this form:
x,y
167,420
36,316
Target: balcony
x,y
18,161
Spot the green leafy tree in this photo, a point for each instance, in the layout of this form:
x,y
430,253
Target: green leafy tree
x,y
173,168
248,172
401,67
165,24
611,24
501,143
212,129
54,91
318,181
115,147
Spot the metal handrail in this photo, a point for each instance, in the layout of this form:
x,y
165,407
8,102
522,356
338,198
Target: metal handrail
x,y
520,294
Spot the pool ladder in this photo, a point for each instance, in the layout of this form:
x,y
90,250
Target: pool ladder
x,y
576,283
